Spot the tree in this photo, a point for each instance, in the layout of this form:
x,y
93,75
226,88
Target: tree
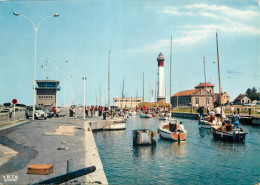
x,y
253,94
7,104
249,92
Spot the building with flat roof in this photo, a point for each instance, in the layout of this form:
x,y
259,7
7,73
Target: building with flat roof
x,y
46,93
127,102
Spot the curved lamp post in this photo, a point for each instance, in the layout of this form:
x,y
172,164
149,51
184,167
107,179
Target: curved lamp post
x,y
35,46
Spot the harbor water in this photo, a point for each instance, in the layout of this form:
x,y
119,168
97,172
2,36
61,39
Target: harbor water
x,y
199,160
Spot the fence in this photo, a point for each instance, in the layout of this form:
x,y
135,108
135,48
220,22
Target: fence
x,y
8,117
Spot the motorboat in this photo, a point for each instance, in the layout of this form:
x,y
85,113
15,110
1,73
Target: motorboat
x,y
155,115
171,130
132,113
162,118
209,122
229,134
146,115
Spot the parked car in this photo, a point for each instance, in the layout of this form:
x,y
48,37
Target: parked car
x,y
39,113
48,112
246,104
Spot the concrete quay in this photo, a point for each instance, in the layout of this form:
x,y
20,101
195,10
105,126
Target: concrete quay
x,y
185,115
51,141
108,124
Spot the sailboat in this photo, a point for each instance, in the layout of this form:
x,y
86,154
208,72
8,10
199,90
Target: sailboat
x,y
171,129
226,132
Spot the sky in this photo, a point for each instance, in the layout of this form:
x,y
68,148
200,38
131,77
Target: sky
x,y
135,32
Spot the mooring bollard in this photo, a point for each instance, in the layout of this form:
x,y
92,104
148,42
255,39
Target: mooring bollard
x,y
70,166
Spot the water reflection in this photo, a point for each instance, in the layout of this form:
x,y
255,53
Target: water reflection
x,y
110,132
142,152
229,146
203,131
180,148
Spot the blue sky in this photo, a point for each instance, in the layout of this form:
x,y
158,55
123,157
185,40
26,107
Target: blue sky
x,y
135,32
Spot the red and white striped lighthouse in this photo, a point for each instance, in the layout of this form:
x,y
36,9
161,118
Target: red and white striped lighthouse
x,y
161,94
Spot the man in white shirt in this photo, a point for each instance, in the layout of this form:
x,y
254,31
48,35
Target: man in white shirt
x,y
181,128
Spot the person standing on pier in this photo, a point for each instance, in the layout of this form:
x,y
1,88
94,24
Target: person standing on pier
x,y
201,112
54,111
235,120
232,109
208,110
100,110
91,111
86,111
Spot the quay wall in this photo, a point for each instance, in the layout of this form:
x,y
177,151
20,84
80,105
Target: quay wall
x,y
92,157
185,115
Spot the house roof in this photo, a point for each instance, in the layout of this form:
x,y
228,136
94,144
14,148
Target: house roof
x,y
186,93
204,84
217,94
240,97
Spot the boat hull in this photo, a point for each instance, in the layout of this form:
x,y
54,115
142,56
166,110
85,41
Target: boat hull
x,y
173,136
229,136
204,124
146,116
162,118
256,121
132,113
207,125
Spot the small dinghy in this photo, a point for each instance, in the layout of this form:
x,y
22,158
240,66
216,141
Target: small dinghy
x,y
146,115
172,130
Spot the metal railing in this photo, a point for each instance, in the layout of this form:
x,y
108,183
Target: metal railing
x,y
7,117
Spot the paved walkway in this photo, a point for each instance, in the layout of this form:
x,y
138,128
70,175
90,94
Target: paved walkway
x,y
37,142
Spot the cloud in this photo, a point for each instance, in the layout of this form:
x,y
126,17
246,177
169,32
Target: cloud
x,y
226,11
189,38
235,72
170,10
175,11
231,27
211,15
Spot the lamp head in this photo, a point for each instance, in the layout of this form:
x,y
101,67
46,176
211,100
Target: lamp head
x,y
15,13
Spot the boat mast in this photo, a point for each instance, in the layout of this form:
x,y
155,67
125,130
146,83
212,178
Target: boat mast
x,y
100,96
220,96
149,93
109,78
143,87
205,79
123,92
171,76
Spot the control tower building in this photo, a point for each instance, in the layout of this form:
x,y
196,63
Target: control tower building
x,y
47,93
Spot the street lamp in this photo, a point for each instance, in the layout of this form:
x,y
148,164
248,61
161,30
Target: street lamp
x,y
35,46
84,79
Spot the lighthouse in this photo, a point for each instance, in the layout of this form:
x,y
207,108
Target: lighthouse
x,y
161,94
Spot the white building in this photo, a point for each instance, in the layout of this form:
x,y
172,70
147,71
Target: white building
x,y
127,102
